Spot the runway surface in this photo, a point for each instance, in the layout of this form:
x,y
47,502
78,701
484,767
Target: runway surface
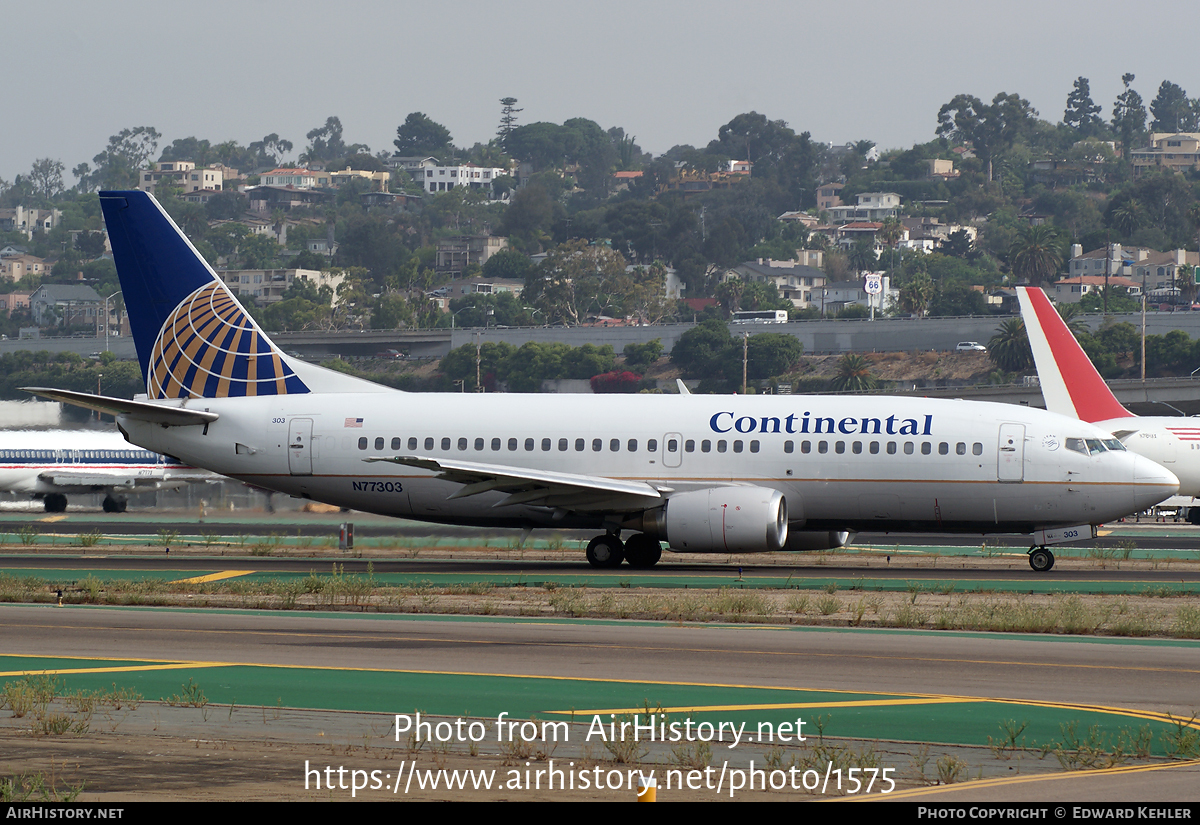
x,y
903,685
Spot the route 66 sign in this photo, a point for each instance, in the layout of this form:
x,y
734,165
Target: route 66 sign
x,y
873,284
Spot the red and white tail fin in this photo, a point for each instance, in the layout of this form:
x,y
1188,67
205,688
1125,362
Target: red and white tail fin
x,y
1070,384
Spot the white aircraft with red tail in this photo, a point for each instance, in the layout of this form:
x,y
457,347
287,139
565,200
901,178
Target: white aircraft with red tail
x,y
1071,386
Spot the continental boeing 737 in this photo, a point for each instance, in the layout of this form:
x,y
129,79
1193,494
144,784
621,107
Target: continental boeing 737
x,y
705,474
52,464
1071,386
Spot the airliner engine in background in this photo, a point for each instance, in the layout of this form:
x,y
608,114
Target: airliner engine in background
x,y
716,474
51,464
1072,386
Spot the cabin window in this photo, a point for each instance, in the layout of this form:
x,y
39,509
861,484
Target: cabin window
x,y
362,443
563,445
960,448
652,445
891,448
943,448
579,445
614,445
478,444
512,444
806,446
631,445
722,446
822,447
396,443
926,448
788,446
379,443
977,448
462,443
597,445
908,448
445,442
545,445
690,446
529,444
839,447
412,442
754,446
429,443
706,446
856,448
737,446
874,448
495,445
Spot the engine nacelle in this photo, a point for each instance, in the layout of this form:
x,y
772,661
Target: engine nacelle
x,y
726,520
801,540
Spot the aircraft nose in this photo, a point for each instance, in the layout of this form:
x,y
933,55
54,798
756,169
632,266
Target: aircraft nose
x,y
1151,483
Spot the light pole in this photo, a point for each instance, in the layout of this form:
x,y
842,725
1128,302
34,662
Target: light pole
x,y
107,317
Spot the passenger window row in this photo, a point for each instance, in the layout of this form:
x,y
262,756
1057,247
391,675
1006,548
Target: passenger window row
x,y
614,445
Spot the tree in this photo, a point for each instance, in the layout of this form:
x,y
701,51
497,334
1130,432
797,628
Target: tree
x,y
1129,115
1036,255
642,356
271,150
853,375
1082,114
1009,347
573,280
1172,110
326,144
46,176
703,351
420,136
508,117
989,128
127,152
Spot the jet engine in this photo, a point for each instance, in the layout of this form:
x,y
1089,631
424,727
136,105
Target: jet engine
x,y
724,520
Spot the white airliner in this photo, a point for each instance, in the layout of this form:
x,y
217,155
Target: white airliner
x,y
50,464
713,474
1071,386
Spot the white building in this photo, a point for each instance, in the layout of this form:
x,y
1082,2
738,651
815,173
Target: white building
x,y
184,174
871,206
445,178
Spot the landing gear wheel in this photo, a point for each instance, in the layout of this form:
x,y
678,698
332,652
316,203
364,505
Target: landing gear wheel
x,y
55,503
1041,559
114,505
642,552
605,552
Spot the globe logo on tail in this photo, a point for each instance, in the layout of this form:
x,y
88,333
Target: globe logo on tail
x,y
210,348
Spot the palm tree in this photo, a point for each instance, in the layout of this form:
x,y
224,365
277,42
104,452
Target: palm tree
x,y
854,375
1036,254
1072,315
1009,347
1128,217
1186,284
915,294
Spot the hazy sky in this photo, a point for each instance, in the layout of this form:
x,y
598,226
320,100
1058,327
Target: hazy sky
x,y
666,71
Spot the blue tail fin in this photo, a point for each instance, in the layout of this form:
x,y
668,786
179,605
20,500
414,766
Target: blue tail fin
x,y
193,338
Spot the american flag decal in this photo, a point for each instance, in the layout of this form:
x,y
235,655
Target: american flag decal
x,y
1186,433
354,422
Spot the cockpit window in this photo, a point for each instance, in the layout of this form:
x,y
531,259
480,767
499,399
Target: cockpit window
x,y
1077,445
1095,446
1114,444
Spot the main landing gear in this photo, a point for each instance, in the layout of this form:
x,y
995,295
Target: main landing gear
x,y
54,502
608,551
112,504
1040,559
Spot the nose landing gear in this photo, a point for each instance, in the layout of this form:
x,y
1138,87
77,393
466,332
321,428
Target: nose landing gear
x,y
1040,559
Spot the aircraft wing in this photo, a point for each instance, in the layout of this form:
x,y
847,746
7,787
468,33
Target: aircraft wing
x,y
166,414
99,478
536,487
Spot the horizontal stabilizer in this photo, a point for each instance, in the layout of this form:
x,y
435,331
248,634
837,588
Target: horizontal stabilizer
x,y
164,414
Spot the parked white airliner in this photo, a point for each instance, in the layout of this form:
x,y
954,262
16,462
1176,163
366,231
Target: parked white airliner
x,y
50,464
704,473
1071,386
